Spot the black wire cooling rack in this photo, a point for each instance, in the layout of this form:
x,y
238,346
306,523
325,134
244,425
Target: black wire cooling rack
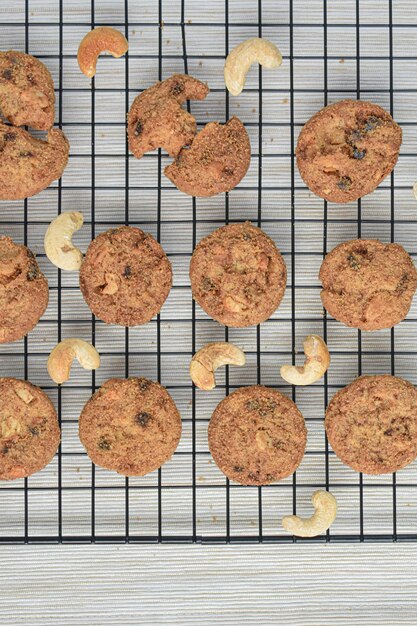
x,y
358,49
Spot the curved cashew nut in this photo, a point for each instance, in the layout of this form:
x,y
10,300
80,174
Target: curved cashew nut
x,y
206,361
241,58
415,190
315,366
98,40
325,514
62,356
58,241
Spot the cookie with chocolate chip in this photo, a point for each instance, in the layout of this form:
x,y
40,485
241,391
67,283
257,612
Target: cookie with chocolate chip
x,y
24,291
238,275
371,424
345,150
368,284
130,426
29,429
257,436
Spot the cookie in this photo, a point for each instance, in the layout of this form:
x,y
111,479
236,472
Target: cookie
x,y
125,276
346,149
368,284
130,426
29,429
24,291
28,165
372,424
157,120
216,161
238,275
257,436
27,94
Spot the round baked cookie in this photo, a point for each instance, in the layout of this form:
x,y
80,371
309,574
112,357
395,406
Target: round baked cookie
x,y
125,276
157,120
216,161
29,429
238,275
24,291
27,94
368,284
345,150
130,426
372,424
257,436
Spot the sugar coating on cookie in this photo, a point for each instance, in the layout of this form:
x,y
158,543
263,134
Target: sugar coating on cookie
x,y
130,426
29,165
24,291
27,94
368,284
238,275
216,161
125,276
372,426
29,429
345,150
257,436
157,120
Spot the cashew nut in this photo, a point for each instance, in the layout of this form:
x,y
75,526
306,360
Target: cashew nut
x,y
62,356
325,514
241,58
415,190
58,241
98,40
316,364
206,361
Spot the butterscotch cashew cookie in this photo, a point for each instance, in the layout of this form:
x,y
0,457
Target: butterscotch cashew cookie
x,y
58,241
315,366
241,58
209,358
324,516
62,356
98,40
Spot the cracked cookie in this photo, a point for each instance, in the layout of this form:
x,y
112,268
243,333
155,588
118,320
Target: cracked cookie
x,y
257,436
125,276
345,150
371,424
130,426
238,275
157,120
29,429
24,291
368,284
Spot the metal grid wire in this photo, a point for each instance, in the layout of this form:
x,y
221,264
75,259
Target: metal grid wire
x,y
332,49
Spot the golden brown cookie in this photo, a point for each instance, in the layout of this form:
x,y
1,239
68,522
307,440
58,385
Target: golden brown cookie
x,y
29,429
125,277
368,284
24,291
372,424
28,165
345,150
27,94
216,161
238,275
130,426
257,436
157,120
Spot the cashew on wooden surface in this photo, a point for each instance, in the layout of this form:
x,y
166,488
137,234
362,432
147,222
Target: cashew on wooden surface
x,y
324,516
315,366
241,58
62,356
209,358
98,40
58,241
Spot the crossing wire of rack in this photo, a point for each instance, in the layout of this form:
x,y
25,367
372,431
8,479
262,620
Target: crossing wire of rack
x,y
331,50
